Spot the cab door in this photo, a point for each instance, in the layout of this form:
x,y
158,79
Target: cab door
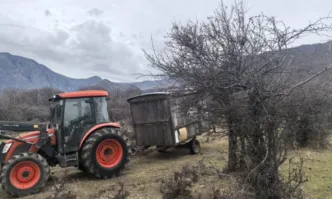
x,y
57,121
78,118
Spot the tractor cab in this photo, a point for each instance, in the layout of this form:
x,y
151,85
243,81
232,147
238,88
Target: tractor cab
x,y
74,113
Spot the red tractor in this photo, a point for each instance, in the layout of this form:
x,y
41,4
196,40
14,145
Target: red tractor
x,y
79,134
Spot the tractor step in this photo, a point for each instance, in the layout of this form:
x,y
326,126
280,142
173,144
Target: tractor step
x,y
67,160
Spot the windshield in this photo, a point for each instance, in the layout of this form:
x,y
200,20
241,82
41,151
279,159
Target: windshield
x,y
101,110
77,110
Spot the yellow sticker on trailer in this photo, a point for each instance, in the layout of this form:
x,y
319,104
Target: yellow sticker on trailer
x,y
183,134
35,126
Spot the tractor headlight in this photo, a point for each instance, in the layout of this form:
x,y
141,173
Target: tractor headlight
x,y
6,147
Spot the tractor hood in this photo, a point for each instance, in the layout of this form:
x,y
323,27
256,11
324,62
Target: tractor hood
x,y
18,126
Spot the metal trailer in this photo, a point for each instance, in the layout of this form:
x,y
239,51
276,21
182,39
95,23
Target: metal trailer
x,y
159,121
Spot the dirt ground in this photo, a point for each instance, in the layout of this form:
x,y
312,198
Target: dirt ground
x,y
141,177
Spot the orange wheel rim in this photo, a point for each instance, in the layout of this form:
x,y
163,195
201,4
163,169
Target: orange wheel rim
x,y
25,175
109,153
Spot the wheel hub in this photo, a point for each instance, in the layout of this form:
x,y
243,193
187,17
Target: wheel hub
x,y
109,153
25,175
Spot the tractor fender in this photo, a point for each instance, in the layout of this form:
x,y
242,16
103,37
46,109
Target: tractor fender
x,y
98,126
21,147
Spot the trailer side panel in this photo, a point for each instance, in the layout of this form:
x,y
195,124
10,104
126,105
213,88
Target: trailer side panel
x,y
152,121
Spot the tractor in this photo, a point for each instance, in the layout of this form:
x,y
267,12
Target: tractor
x,y
79,134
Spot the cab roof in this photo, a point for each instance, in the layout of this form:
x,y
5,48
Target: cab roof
x,y
80,94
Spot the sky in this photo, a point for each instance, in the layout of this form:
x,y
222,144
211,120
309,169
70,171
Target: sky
x,y
83,38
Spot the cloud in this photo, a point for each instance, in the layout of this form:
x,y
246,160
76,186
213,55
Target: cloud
x,y
83,50
95,12
94,44
106,37
78,41
47,13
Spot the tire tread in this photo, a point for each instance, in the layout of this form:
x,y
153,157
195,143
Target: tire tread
x,y
45,169
87,150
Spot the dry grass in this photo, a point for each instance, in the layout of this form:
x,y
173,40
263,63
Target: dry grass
x,y
145,172
143,175
318,170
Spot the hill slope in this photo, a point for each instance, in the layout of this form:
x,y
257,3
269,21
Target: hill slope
x,y
24,73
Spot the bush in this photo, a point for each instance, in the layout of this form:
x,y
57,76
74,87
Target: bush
x,y
308,118
59,191
179,186
118,192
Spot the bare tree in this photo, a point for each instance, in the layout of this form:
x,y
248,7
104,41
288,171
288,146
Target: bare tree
x,y
29,105
309,115
245,66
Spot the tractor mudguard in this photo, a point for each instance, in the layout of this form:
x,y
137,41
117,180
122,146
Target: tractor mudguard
x,y
18,147
98,126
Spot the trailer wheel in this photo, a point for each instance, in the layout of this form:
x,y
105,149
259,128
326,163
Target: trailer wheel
x,y
162,149
194,146
105,153
24,174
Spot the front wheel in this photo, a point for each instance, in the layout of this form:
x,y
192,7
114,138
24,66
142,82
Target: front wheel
x,y
105,153
24,174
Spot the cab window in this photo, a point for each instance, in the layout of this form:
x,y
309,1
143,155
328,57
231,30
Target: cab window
x,y
77,111
101,110
56,112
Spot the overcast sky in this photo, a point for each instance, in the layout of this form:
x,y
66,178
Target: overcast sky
x,y
82,38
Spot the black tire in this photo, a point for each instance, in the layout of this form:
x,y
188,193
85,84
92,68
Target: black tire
x,y
162,149
81,167
194,146
32,159
90,146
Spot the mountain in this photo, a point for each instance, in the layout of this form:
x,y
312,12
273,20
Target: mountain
x,y
154,84
318,55
23,73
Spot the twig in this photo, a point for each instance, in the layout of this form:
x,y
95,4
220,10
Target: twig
x,y
305,81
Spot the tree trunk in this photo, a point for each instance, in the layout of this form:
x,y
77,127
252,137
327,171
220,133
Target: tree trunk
x,y
232,146
232,134
242,161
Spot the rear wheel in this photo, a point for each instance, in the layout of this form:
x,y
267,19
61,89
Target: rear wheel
x,y
194,146
81,167
105,153
24,174
162,149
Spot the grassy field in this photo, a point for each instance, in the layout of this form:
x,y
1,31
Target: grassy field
x,y
318,170
144,173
